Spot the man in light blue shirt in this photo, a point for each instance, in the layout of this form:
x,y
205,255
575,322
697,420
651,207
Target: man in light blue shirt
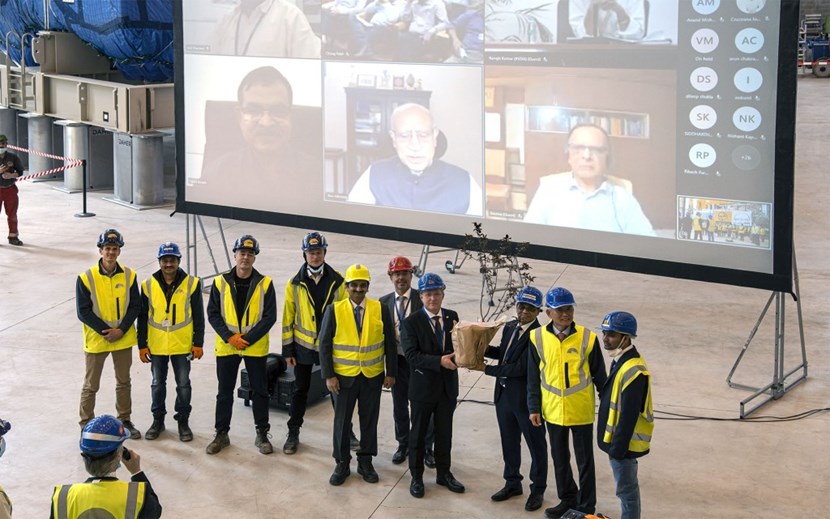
x,y
587,197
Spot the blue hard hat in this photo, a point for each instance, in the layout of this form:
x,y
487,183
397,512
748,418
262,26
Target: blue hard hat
x,y
314,240
622,322
246,241
530,295
110,237
430,281
4,428
102,435
169,249
558,296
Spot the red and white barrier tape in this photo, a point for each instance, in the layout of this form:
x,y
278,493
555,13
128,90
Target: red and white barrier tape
x,y
71,163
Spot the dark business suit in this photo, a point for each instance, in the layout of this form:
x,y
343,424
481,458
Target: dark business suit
x,y
365,392
511,409
400,391
433,390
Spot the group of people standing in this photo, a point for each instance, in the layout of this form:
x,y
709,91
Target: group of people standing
x,y
403,341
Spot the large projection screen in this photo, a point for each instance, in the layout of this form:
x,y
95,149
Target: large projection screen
x,y
652,136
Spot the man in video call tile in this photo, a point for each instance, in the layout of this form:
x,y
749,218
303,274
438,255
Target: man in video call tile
x,y
618,19
268,28
414,178
587,197
268,156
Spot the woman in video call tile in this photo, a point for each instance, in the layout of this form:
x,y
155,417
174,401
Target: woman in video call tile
x,y
272,28
267,154
415,178
617,19
587,197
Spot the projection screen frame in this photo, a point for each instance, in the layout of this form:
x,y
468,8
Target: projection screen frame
x,y
779,280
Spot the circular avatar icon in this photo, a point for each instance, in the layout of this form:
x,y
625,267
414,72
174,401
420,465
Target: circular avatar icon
x,y
702,155
751,6
706,6
749,40
703,117
703,79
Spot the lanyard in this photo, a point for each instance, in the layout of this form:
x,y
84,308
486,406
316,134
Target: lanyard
x,y
250,36
400,314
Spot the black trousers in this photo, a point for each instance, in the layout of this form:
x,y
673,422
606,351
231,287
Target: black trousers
x,y
400,408
514,422
227,371
422,412
584,497
299,399
365,392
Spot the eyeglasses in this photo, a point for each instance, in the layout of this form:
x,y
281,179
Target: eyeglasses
x,y
422,135
257,112
580,149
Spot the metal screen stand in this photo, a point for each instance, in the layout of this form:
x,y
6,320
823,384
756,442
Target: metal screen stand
x,y
195,224
781,382
450,265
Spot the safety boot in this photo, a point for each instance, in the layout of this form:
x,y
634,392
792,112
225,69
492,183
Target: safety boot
x,y
262,442
219,442
155,429
185,434
291,442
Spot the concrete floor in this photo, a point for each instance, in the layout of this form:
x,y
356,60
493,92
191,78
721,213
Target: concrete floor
x,y
690,334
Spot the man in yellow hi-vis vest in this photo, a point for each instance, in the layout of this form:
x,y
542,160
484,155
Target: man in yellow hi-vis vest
x,y
171,331
357,337
625,420
242,310
103,494
564,367
307,294
107,303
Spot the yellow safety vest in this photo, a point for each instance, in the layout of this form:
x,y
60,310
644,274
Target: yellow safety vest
x,y
169,333
641,439
110,300
567,388
251,316
119,499
4,500
353,355
298,322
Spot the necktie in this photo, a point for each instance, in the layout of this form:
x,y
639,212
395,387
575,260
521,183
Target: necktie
x,y
439,331
561,336
513,339
358,319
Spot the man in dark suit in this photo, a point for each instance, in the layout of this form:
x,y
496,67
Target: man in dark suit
x,y
433,382
511,403
402,303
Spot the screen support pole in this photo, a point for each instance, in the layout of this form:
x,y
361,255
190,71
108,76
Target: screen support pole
x,y
195,224
781,382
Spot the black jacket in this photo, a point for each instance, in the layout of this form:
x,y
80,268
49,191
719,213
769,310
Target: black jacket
x,y
429,381
632,402
269,310
512,374
390,300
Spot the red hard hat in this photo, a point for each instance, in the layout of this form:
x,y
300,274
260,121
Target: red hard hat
x,y
399,264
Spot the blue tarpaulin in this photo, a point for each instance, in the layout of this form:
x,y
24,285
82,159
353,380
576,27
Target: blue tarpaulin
x,y
136,34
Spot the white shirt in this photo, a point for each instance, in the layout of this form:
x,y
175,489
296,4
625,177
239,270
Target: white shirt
x,y
275,28
560,201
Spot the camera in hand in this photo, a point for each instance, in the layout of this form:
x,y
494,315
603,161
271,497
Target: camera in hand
x,y
125,454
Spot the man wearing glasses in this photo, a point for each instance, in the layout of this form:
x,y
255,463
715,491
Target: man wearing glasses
x,y
415,178
587,197
268,154
564,369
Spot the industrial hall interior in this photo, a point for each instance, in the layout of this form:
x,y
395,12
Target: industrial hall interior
x,y
246,273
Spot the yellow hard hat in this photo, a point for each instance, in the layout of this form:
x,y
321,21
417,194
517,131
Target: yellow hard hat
x,y
357,272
